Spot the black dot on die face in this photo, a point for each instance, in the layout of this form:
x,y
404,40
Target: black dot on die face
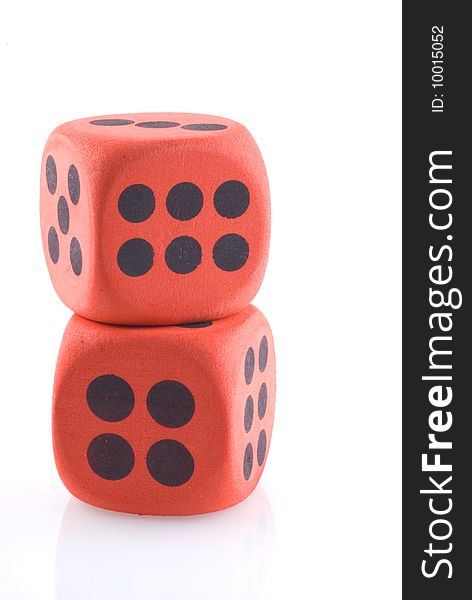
x,y
204,126
184,201
170,463
231,199
262,401
136,203
63,214
111,122
248,414
261,447
230,252
110,456
249,365
157,124
183,255
263,354
53,244
76,256
51,174
247,463
110,398
73,183
199,325
135,257
170,403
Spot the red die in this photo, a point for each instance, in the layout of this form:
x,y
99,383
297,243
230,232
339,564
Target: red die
x,y
152,219
164,420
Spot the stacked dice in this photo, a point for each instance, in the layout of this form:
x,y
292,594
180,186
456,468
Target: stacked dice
x,y
156,233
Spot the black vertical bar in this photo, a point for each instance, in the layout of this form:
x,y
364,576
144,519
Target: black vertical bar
x,y
437,264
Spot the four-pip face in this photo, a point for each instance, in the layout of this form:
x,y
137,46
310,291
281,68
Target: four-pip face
x,y
164,420
154,218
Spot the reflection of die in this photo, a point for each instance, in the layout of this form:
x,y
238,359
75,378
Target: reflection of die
x,y
154,218
168,420
221,556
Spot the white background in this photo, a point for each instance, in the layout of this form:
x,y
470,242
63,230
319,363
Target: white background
x,y
318,85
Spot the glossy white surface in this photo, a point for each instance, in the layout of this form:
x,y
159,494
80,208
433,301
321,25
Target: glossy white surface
x,y
318,84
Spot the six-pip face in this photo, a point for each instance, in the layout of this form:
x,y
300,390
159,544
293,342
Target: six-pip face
x,y
154,218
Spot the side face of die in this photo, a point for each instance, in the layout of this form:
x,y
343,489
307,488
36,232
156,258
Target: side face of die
x,y
66,217
155,420
253,399
177,217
